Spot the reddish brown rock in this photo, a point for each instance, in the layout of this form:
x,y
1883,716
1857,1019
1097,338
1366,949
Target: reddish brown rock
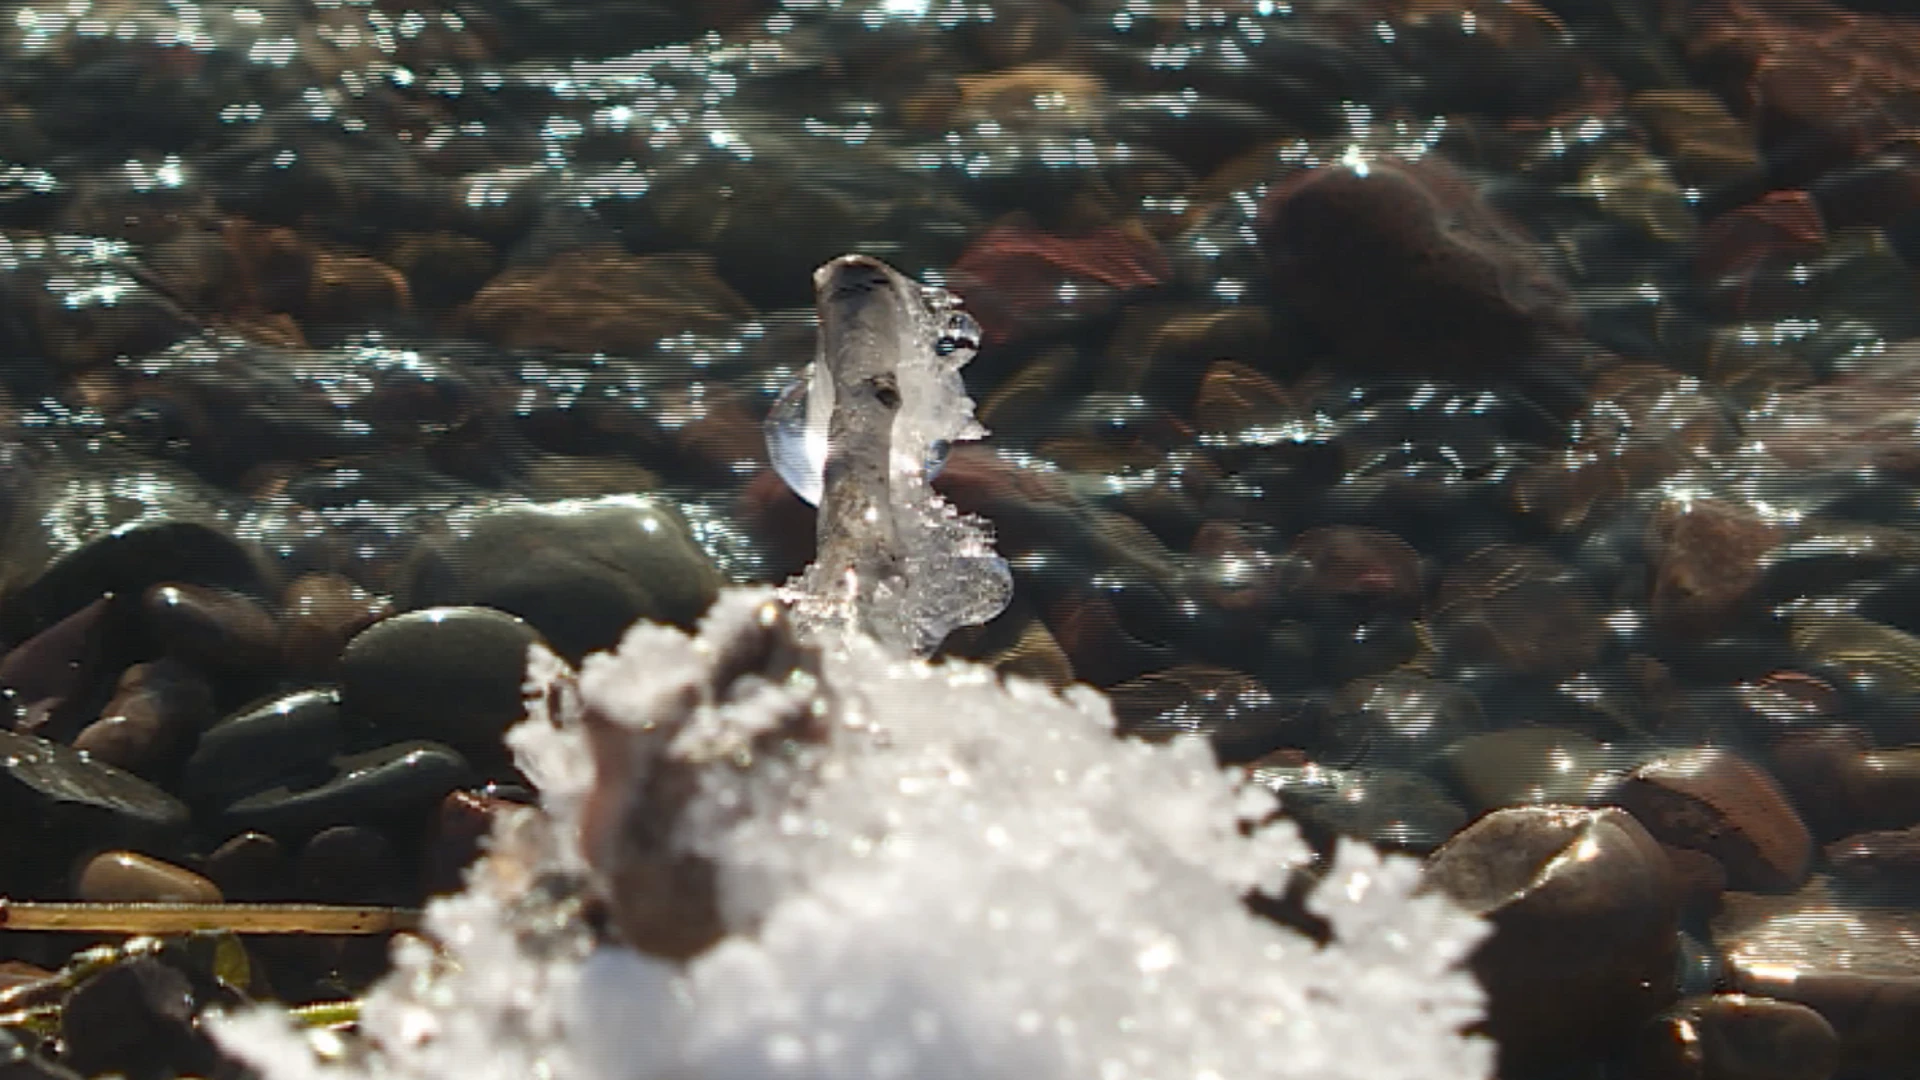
x,y
154,712
1019,280
1361,564
1714,801
1706,555
1517,609
320,613
604,300
345,287
1236,401
1403,265
218,629
1736,1037
1748,252
1585,926
1883,859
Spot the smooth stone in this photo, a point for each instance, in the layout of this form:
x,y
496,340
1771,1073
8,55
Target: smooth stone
x,y
47,665
451,674
1392,808
320,613
128,877
136,1019
217,629
1736,1037
125,561
1231,709
1400,719
250,866
1714,801
285,737
1854,965
148,722
60,802
1887,859
1517,610
368,788
580,571
1529,766
350,864
1585,921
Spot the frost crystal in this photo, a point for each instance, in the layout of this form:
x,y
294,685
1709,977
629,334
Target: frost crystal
x,y
818,857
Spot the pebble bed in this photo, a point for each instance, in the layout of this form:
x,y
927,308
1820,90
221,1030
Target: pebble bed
x,y
1491,422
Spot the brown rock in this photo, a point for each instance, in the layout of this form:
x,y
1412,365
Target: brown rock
x,y
211,628
251,866
321,612
604,300
347,287
1714,801
455,840
1883,859
1585,926
129,877
1706,555
1857,967
1737,1037
1519,610
154,711
1019,280
1360,564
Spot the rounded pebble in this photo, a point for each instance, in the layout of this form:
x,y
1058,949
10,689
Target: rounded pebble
x,y
128,876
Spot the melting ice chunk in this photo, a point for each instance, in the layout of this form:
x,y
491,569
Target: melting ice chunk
x,y
796,426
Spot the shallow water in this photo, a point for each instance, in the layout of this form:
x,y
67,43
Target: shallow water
x,y
1369,380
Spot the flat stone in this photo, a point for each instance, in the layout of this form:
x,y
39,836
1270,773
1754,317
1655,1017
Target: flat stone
x,y
1528,766
397,782
580,571
61,802
286,737
128,876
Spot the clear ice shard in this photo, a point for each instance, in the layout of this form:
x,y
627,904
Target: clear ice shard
x,y
862,436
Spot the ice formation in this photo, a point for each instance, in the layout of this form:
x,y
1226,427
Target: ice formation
x,y
883,401
784,848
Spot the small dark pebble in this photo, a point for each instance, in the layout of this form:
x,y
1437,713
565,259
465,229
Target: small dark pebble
x,y
286,737
59,802
47,665
399,782
136,1019
350,864
251,867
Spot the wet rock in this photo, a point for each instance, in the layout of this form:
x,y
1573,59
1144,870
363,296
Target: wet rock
x,y
62,802
1736,1037
452,673
18,1061
1020,281
1402,265
1235,401
1884,860
136,547
1401,719
210,628
350,864
320,614
346,287
1529,766
1714,801
396,783
1745,253
1391,808
443,268
1877,656
135,1019
580,571
1232,710
458,837
1855,966
604,301
128,876
1706,560
79,301
48,665
251,867
1360,568
1583,948
1702,142
150,720
288,737
1518,610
